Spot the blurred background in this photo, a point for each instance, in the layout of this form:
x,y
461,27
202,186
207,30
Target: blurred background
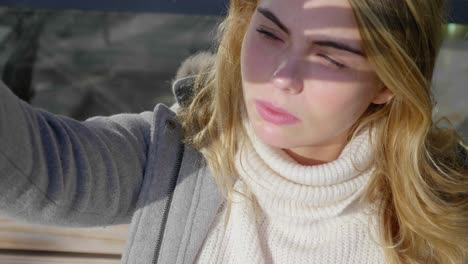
x,y
85,63
451,76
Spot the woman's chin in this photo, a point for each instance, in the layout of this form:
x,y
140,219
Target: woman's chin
x,y
273,135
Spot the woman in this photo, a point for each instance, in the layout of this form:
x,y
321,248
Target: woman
x,y
310,140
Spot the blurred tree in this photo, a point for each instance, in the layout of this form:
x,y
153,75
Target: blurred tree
x,y
19,67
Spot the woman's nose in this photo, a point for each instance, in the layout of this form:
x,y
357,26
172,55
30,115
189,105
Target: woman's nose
x,y
287,77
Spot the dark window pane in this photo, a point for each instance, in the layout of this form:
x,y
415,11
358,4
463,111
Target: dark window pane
x,y
83,63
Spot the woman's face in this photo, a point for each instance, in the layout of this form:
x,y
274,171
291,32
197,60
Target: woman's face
x,y
305,78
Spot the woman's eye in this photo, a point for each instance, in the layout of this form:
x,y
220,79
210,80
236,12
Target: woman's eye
x,y
332,61
267,34
270,36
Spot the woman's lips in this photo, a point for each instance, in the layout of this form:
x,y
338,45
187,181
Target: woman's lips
x,y
273,114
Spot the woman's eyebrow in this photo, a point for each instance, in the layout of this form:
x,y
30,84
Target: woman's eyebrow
x,y
324,43
273,18
339,46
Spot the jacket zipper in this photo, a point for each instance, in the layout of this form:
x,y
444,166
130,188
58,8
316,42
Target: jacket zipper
x,y
168,202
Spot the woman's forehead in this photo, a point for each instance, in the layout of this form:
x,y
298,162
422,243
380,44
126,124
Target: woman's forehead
x,y
337,13
311,18
307,4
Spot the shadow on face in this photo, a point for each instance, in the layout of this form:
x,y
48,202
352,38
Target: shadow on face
x,y
304,40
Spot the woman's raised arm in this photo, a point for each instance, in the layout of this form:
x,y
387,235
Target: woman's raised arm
x,y
57,170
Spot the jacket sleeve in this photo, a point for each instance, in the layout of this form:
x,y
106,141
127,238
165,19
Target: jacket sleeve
x,y
56,170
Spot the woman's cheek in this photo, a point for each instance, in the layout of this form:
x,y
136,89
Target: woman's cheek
x,y
329,102
257,60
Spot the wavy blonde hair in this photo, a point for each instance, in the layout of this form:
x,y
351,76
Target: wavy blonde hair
x,y
420,181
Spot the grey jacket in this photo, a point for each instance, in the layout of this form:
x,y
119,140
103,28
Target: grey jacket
x,y
108,170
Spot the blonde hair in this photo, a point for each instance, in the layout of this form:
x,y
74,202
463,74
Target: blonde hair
x,y
420,179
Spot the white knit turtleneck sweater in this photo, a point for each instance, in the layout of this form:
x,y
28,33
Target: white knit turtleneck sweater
x,y
284,212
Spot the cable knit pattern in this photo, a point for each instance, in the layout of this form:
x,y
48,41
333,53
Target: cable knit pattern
x,y
284,212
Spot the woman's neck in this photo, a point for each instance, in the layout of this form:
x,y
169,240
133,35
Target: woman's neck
x,y
317,155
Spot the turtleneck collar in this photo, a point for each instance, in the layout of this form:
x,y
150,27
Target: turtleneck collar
x,y
285,188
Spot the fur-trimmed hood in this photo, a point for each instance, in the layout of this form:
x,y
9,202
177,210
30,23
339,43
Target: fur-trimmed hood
x,y
186,74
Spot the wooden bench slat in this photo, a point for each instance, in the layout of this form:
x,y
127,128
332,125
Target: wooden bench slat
x,y
32,259
104,240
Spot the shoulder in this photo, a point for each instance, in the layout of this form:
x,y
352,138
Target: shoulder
x,y
164,119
